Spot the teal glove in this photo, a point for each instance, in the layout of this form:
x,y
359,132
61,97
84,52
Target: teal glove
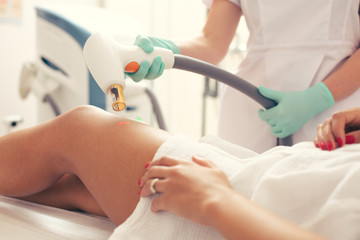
x,y
155,70
294,109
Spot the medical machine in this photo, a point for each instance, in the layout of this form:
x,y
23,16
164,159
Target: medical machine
x,y
59,76
11,122
108,60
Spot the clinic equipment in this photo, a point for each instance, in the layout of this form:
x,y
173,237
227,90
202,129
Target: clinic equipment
x,y
59,77
11,122
108,61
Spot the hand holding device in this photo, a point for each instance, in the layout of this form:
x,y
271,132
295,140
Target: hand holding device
x,y
294,109
155,69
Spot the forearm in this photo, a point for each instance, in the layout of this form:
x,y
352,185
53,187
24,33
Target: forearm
x,y
204,49
235,216
212,45
346,80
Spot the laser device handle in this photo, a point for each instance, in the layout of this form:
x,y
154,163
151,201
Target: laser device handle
x,y
107,60
132,56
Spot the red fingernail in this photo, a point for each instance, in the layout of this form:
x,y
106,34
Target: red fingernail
x,y
329,146
340,142
349,139
139,182
147,164
316,144
140,191
322,146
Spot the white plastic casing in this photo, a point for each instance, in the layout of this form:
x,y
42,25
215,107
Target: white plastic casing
x,y
107,59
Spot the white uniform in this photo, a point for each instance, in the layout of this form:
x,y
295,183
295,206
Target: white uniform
x,y
293,44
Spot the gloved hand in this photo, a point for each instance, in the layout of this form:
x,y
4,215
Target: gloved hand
x,y
294,109
155,70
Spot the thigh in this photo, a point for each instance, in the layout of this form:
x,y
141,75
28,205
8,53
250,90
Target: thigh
x,y
67,193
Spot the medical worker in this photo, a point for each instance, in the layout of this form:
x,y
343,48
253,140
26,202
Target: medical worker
x,y
302,54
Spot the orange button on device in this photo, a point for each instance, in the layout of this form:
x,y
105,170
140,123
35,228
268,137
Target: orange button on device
x,y
132,67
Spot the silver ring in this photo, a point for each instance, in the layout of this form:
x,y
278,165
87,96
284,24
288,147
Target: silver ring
x,y
152,185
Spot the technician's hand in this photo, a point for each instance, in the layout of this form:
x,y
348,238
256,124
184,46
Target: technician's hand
x,y
342,127
154,70
186,187
294,109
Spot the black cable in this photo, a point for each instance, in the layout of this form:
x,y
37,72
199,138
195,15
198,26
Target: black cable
x,y
156,109
52,103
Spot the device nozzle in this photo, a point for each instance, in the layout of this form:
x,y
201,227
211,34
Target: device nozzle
x,y
117,96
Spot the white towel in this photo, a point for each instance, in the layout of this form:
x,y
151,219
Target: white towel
x,y
315,189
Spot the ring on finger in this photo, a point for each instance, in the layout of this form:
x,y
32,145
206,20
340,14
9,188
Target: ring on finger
x,y
152,185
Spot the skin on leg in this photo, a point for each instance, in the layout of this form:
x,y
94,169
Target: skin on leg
x,y
67,193
106,156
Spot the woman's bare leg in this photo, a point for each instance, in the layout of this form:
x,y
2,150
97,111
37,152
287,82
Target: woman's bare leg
x,y
67,193
106,152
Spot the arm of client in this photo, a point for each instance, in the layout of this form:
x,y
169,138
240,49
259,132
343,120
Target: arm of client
x,y
200,192
342,127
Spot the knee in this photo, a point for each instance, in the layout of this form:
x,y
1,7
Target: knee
x,y
85,119
76,117
80,112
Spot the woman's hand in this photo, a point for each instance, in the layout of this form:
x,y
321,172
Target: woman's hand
x,y
342,127
186,187
201,192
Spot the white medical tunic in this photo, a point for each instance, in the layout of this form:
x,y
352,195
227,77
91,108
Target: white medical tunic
x,y
292,45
